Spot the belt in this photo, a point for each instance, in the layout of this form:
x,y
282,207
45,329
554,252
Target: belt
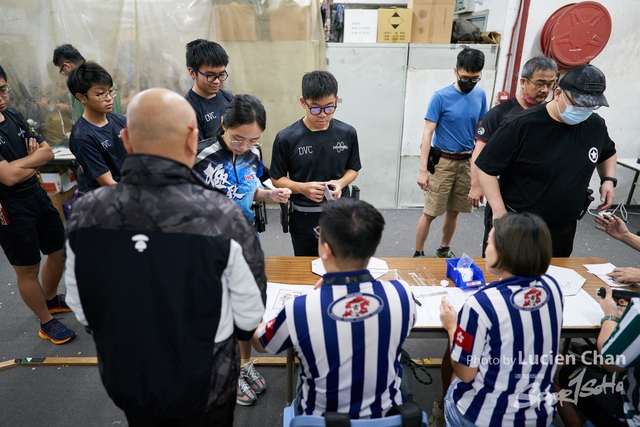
x,y
456,156
308,209
9,193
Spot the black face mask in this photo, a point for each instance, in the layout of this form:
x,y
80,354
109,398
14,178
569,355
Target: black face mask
x,y
467,86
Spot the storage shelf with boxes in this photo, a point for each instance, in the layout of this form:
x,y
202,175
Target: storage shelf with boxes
x,y
422,21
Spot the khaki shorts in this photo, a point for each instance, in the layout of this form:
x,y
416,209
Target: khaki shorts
x,y
449,185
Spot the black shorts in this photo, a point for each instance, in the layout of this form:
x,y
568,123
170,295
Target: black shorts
x,y
34,226
605,408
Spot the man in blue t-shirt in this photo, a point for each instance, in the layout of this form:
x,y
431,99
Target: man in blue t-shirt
x,y
207,62
95,138
452,117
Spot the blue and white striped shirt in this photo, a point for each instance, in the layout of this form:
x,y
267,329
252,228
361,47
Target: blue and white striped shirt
x,y
348,336
510,330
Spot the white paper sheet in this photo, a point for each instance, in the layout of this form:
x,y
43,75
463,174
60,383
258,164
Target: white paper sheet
x,y
278,294
431,296
581,310
601,270
570,282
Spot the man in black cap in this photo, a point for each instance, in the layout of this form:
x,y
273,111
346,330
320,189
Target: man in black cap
x,y
546,155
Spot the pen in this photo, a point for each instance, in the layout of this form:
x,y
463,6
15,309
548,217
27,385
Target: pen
x,y
418,303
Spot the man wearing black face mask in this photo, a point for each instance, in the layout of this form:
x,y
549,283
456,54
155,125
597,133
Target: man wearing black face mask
x,y
545,158
538,78
450,124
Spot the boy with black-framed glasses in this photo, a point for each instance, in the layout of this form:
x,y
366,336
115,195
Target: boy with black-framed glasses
x,y
316,157
95,137
207,62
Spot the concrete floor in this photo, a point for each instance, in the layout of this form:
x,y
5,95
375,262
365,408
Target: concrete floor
x,y
74,396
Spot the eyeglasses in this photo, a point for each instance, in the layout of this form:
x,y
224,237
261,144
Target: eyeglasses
x,y
465,79
315,111
62,67
236,143
212,77
251,144
4,90
542,85
103,96
316,231
578,107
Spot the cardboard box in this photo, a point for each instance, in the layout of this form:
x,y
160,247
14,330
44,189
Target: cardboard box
x,y
452,273
394,25
360,25
235,22
57,182
432,20
59,199
290,22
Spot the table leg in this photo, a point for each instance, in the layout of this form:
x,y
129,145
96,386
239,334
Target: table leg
x,y
633,188
290,367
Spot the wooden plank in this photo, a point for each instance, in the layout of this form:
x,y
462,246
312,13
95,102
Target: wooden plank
x,y
59,361
9,364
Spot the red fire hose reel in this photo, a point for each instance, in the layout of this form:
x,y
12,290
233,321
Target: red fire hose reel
x,y
576,33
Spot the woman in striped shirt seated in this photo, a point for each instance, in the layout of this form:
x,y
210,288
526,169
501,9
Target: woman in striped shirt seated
x,y
506,336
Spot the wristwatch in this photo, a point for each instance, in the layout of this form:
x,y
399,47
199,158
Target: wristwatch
x,y
610,317
609,178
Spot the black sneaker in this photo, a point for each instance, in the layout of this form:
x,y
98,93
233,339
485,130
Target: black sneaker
x,y
58,304
56,332
417,254
444,253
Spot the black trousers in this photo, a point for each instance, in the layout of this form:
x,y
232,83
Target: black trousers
x,y
301,225
562,236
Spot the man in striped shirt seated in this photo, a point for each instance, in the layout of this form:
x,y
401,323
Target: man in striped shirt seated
x,y
348,334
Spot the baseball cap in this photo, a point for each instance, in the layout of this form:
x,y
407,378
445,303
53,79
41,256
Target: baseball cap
x,y
586,84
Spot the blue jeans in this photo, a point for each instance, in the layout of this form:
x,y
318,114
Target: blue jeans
x,y
452,415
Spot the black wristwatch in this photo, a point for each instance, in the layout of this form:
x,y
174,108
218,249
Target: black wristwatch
x,y
608,178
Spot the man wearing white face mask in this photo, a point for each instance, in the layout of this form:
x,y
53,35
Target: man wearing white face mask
x,y
546,155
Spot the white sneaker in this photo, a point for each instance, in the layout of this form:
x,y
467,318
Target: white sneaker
x,y
436,418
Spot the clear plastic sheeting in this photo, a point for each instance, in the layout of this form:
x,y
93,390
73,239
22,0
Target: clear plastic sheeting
x,y
271,44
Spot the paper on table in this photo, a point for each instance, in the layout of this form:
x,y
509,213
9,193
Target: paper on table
x,y
377,267
428,314
570,282
581,310
601,270
278,294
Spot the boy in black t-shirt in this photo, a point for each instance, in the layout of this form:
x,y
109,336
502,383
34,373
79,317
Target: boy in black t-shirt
x,y
320,157
207,62
95,138
29,224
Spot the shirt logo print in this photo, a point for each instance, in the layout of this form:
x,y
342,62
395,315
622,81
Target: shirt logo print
x,y
219,178
21,133
340,147
106,144
210,116
355,307
141,242
531,298
593,154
